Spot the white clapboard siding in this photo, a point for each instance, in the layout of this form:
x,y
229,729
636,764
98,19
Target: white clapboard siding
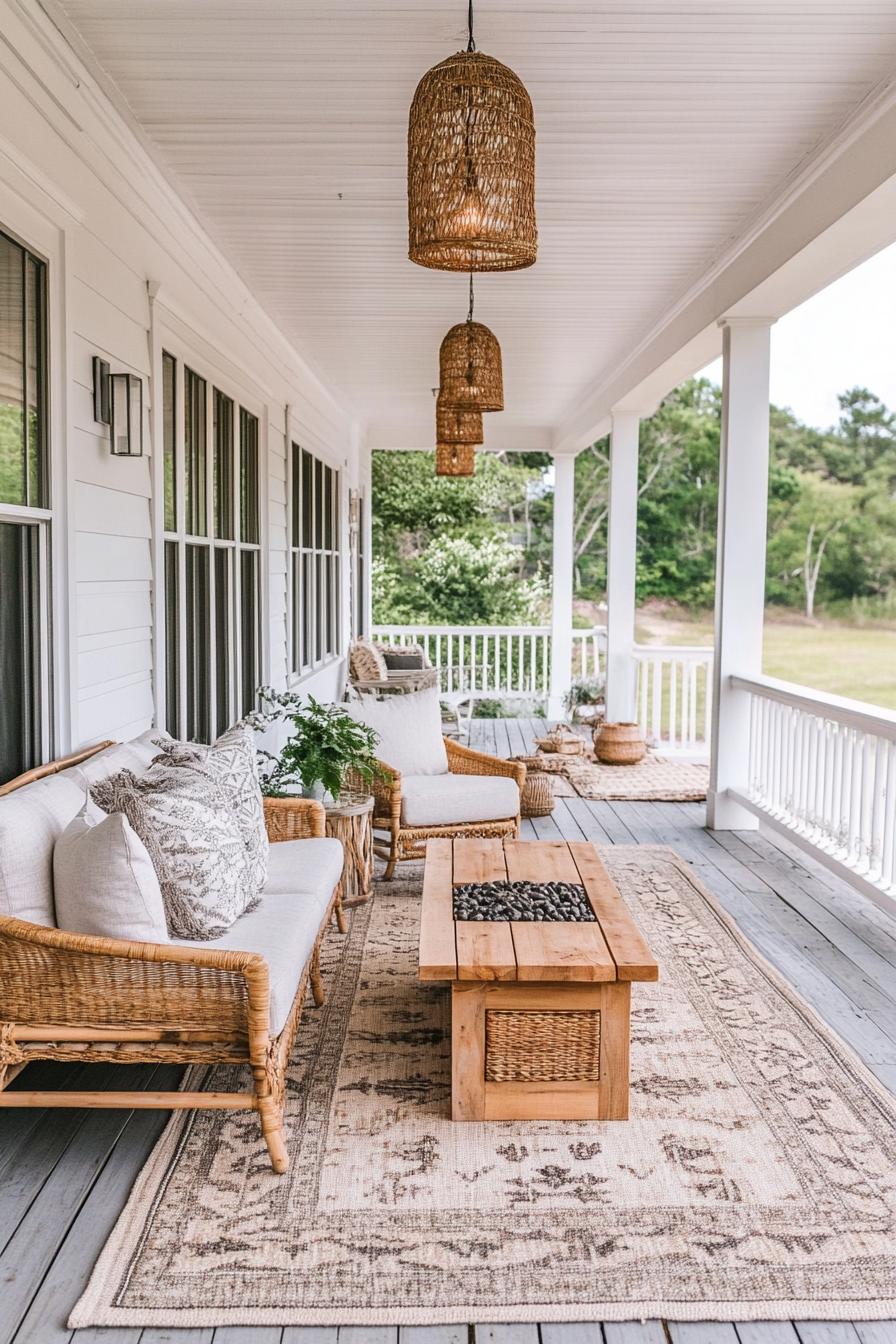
x,y
121,227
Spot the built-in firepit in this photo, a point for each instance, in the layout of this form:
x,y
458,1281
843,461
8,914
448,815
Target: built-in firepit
x,y
532,901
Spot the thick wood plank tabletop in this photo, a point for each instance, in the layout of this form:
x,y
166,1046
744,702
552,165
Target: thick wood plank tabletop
x,y
554,950
484,949
628,946
613,948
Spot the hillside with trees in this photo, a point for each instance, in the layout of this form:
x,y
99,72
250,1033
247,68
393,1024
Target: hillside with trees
x,y
479,551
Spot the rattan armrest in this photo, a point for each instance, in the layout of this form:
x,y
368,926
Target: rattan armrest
x,y
294,819
465,761
52,976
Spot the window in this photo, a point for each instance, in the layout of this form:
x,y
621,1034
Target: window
x,y
212,548
25,719
315,561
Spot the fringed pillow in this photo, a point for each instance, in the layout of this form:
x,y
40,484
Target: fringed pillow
x,y
184,816
233,760
366,663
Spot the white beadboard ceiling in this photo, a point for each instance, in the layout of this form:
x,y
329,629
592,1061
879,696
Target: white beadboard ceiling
x,y
663,126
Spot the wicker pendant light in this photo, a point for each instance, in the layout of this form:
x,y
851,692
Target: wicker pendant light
x,y
471,166
455,459
470,374
454,426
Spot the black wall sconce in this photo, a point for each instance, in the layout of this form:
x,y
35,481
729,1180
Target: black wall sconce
x,y
118,403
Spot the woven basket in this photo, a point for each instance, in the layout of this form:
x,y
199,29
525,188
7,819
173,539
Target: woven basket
x,y
455,459
542,1046
470,374
619,744
471,168
456,426
561,741
538,795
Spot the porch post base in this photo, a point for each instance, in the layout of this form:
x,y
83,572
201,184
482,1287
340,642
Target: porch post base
x,y
723,813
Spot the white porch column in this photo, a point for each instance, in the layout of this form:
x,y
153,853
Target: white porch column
x,y
622,529
740,559
561,582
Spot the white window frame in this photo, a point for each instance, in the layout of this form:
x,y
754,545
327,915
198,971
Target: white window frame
x,y
215,380
56,686
334,556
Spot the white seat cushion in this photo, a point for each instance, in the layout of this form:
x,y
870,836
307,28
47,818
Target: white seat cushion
x,y
409,728
448,800
283,927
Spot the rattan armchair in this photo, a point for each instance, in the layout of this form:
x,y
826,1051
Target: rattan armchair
x,y
67,996
409,842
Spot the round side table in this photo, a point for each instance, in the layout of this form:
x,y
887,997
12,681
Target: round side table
x,y
349,820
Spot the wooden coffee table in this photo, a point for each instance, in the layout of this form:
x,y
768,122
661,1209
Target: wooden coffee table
x,y
539,1011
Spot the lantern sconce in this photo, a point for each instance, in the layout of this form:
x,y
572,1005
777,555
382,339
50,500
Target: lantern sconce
x,y
354,510
118,403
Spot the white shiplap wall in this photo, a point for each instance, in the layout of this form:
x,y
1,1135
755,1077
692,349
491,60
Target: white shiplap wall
x,y
77,186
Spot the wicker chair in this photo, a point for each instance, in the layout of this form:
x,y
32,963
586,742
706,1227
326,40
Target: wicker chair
x,y
69,996
409,842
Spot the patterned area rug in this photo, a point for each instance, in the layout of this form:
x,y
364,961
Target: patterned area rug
x,y
755,1179
656,779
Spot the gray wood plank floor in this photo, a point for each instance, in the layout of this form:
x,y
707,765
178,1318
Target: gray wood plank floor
x,y
64,1175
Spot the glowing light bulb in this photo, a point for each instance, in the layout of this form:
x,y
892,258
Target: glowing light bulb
x,y
466,220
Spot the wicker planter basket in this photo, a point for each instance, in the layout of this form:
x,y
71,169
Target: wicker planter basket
x,y
538,795
619,744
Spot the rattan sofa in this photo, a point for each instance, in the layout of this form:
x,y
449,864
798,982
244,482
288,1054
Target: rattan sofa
x,y
66,996
407,840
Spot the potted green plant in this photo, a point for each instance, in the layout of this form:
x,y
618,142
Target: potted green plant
x,y
325,744
584,695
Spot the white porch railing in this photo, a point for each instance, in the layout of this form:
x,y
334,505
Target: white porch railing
x,y
673,694
673,685
823,770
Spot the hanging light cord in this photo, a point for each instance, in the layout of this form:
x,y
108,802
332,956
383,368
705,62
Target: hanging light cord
x,y
471,44
470,312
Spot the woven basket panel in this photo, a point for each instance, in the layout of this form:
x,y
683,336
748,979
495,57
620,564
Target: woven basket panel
x,y
47,984
471,168
542,1047
470,373
538,795
455,459
456,426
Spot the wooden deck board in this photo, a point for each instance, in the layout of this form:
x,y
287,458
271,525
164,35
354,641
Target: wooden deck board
x,y
828,941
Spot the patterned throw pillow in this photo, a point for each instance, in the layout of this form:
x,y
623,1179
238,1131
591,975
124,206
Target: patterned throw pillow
x,y
233,760
403,657
184,817
366,662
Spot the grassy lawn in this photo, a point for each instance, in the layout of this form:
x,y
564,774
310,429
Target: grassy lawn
x,y
843,659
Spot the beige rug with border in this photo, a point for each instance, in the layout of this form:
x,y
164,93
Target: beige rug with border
x,y
754,1180
656,779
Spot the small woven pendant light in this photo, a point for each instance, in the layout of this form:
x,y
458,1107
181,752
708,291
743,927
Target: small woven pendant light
x,y
470,373
455,459
454,426
471,166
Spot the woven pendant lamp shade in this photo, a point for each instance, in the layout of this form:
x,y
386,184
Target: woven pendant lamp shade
x,y
470,375
455,459
471,168
454,426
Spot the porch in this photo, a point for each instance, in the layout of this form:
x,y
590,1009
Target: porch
x,y
64,1175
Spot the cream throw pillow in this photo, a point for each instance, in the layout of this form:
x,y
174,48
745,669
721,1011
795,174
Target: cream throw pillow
x,y
104,881
409,728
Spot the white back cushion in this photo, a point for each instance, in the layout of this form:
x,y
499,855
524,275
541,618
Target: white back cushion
x,y
33,818
104,881
31,821
409,729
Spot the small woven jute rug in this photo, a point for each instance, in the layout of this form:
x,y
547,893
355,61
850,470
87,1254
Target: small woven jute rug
x,y
656,779
754,1180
